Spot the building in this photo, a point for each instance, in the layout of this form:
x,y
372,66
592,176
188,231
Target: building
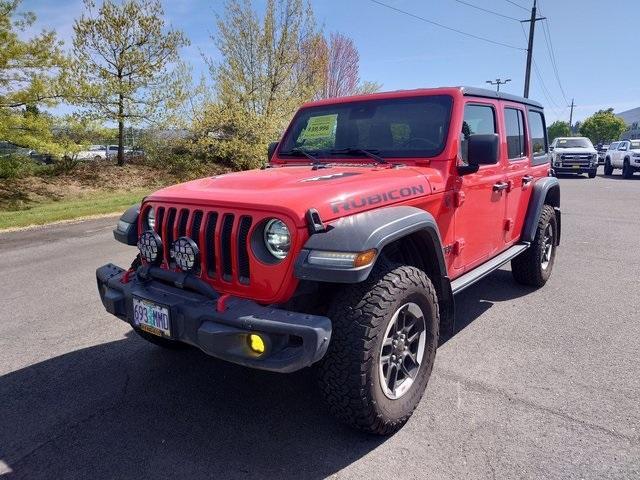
x,y
632,119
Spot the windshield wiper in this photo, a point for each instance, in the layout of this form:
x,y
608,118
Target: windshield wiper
x,y
317,163
362,151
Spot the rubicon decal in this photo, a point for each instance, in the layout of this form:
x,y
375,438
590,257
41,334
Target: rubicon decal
x,y
355,203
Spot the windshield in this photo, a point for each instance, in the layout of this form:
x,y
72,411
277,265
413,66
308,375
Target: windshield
x,y
399,127
574,143
635,145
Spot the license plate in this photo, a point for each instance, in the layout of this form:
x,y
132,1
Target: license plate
x,y
151,317
576,166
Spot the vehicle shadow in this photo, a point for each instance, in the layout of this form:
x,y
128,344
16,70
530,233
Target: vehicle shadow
x,y
572,176
480,297
128,409
618,176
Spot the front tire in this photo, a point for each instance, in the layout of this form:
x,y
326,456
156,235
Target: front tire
x,y
533,266
593,173
608,169
383,346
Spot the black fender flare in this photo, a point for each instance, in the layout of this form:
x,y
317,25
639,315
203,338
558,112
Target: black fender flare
x,y
365,231
377,229
126,230
545,191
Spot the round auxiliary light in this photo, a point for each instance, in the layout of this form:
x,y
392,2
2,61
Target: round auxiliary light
x,y
277,238
150,246
185,253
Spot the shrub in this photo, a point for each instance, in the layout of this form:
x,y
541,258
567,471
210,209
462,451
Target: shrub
x,y
17,166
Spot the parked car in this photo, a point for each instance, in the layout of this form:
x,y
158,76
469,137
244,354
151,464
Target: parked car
x,y
602,152
94,152
607,157
625,156
574,155
348,249
112,151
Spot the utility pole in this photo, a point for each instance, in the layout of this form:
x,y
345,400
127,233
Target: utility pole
x,y
532,28
498,82
571,117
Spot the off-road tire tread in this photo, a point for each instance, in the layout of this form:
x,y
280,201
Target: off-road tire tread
x,y
526,268
355,314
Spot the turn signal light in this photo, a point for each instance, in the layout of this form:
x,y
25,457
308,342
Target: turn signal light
x,y
364,258
256,343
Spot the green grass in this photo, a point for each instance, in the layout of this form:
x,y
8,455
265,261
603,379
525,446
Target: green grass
x,y
66,209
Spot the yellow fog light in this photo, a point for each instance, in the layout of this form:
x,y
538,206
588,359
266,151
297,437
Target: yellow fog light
x,y
256,343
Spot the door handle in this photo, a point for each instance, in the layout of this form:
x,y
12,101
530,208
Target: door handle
x,y
527,179
498,187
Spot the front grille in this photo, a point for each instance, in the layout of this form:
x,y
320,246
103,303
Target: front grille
x,y
223,240
225,244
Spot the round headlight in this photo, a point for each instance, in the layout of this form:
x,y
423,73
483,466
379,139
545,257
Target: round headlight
x,y
151,218
277,238
185,253
150,246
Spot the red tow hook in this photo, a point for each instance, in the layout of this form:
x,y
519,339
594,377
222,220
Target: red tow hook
x,y
126,277
221,305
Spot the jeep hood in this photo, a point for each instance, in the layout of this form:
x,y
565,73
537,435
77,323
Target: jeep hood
x,y
335,191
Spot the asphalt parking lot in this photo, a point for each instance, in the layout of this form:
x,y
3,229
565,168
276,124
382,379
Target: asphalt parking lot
x,y
535,384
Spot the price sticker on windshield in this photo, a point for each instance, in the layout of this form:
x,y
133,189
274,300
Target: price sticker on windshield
x,y
322,126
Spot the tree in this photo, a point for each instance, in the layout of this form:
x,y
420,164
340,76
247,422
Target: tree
x,y
342,75
126,63
558,129
29,74
603,126
270,65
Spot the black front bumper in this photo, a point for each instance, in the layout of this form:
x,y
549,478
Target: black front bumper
x,y
581,169
293,340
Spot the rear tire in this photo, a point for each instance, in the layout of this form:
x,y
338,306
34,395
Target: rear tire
x,y
533,266
382,350
627,170
608,169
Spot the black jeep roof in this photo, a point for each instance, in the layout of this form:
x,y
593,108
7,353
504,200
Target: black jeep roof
x,y
484,92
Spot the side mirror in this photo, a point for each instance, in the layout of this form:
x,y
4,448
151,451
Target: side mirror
x,y
483,149
551,149
271,150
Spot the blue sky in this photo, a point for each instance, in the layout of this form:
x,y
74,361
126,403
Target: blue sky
x,y
595,44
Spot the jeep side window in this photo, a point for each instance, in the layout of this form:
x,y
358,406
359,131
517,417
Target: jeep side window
x,y
514,125
478,119
538,136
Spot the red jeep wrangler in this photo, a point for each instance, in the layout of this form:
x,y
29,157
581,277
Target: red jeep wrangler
x,y
346,251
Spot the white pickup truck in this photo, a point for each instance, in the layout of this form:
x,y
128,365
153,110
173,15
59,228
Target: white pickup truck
x,y
626,155
574,155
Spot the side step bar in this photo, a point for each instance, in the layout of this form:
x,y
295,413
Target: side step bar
x,y
485,269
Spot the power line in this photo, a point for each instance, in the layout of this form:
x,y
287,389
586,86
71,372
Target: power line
x,y
487,10
517,5
446,27
543,88
552,56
